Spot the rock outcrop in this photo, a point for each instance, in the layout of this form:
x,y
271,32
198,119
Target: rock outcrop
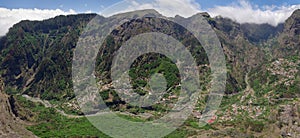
x,y
10,126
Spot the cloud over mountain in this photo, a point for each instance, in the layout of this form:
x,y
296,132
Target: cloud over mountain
x,y
168,8
9,17
244,12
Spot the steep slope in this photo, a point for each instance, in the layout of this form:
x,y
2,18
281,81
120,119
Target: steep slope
x,y
276,83
10,126
36,56
282,68
258,33
36,60
289,41
241,54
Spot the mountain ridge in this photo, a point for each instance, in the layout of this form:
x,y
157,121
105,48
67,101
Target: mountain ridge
x,y
36,60
227,31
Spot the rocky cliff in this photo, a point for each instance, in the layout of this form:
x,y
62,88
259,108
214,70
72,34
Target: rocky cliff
x,y
10,126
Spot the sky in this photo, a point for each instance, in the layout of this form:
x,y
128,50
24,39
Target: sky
x,y
243,11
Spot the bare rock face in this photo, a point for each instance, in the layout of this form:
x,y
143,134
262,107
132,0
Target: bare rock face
x,y
10,126
289,40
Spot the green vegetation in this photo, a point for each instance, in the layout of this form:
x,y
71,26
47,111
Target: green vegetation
x,y
36,59
254,125
142,70
179,133
49,123
40,52
64,127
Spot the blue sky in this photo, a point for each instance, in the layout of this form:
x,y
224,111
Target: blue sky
x,y
98,5
243,11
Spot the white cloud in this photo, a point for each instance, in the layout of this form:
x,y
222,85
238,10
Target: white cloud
x,y
88,11
168,8
244,12
9,17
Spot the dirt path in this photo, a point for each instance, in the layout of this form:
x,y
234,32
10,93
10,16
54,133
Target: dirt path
x,y
38,100
61,112
49,105
248,89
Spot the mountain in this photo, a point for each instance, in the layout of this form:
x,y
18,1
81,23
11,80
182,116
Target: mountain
x,y
276,82
257,33
285,60
241,54
289,39
36,56
262,79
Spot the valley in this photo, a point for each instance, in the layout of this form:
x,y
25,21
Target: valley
x,y
262,97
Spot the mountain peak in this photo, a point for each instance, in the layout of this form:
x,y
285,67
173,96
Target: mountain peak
x,y
296,12
203,14
292,24
139,13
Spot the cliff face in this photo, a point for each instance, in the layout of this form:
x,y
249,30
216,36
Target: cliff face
x,y
289,39
10,126
36,56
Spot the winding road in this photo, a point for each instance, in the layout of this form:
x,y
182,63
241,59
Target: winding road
x,y
61,112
